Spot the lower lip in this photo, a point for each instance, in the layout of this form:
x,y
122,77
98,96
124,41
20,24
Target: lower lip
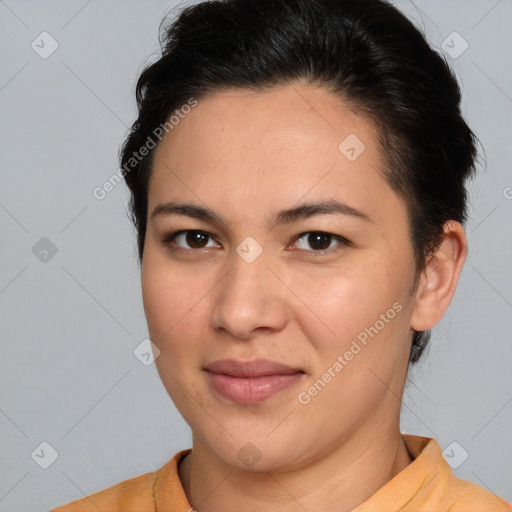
x,y
251,390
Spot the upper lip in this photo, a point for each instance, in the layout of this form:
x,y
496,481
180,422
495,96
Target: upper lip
x,y
254,368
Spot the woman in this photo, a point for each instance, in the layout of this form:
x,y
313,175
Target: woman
x,y
298,173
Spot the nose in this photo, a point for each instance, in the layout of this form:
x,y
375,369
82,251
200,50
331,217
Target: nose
x,y
251,297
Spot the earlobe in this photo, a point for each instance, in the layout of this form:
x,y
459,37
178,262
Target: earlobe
x,y
439,279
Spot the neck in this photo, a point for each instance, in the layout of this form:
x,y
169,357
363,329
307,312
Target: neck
x,y
339,480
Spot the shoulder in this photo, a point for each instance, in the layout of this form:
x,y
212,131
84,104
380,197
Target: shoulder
x,y
430,484
134,492
137,493
470,497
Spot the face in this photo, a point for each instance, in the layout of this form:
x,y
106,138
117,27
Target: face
x,y
324,290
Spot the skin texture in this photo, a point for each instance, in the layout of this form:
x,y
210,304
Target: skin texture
x,y
247,155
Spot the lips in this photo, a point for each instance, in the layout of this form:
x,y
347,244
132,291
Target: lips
x,y
250,382
254,368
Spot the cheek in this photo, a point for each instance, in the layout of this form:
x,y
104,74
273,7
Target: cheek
x,y
359,343
158,299
177,311
365,323
172,304
170,299
344,301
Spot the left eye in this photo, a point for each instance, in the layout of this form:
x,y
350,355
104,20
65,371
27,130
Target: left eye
x,y
321,241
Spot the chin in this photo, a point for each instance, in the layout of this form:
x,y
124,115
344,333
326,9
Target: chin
x,y
256,454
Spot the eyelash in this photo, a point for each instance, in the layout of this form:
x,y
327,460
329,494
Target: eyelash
x,y
168,241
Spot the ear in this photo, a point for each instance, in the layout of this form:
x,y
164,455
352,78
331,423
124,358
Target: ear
x,y
439,279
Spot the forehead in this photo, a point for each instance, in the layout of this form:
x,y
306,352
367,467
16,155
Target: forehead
x,y
278,146
293,117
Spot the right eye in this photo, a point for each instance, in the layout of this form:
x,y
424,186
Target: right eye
x,y
193,237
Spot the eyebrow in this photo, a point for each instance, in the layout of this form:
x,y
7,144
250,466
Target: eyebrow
x,y
302,211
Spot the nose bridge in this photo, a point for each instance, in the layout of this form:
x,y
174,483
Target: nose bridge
x,y
248,266
249,250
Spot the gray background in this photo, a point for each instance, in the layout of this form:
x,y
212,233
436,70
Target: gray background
x,y
69,324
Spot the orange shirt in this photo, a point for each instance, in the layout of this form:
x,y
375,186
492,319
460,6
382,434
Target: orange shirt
x,y
426,485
